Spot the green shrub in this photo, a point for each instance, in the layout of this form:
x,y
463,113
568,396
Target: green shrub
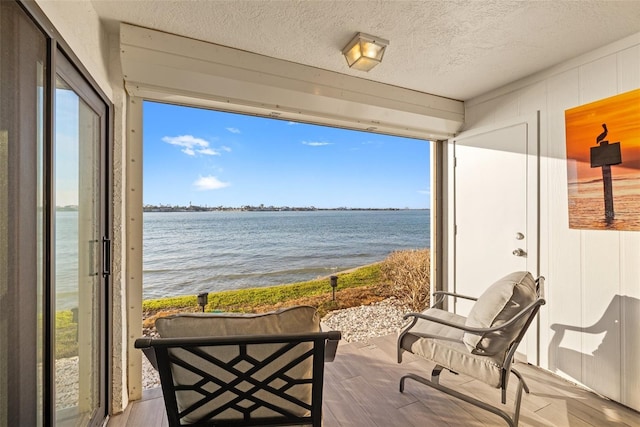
x,y
408,273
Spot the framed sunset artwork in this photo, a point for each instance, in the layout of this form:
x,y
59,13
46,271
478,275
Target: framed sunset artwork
x,y
603,163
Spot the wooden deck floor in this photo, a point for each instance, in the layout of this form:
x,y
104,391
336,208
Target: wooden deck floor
x,y
361,389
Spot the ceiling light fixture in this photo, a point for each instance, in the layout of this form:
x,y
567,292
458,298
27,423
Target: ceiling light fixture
x,y
364,51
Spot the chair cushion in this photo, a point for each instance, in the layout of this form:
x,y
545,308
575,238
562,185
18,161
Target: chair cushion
x,y
498,304
443,345
292,320
231,360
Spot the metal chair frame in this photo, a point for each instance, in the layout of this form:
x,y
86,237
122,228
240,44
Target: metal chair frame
x,y
529,312
277,383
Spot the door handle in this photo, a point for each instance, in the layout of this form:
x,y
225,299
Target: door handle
x,y
519,252
106,256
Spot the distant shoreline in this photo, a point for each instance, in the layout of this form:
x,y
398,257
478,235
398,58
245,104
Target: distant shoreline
x,y
152,208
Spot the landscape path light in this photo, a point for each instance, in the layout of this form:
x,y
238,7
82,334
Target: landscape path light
x,y
203,298
334,285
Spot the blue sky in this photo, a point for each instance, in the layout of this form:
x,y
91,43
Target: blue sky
x,y
67,137
213,158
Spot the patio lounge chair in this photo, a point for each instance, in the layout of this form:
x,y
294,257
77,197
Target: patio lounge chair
x,y
481,345
242,370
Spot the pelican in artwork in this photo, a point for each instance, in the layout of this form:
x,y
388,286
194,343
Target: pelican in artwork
x,y
603,135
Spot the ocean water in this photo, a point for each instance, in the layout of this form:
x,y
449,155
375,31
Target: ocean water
x,y
186,253
586,204
66,266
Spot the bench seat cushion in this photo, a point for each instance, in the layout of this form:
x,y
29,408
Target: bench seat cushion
x,y
292,320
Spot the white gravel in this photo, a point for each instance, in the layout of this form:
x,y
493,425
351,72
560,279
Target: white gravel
x,y
67,382
150,377
357,324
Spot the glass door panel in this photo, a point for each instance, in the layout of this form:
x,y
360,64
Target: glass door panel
x,y
23,88
78,279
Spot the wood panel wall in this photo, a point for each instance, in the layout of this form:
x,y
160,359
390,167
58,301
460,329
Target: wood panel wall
x,y
589,328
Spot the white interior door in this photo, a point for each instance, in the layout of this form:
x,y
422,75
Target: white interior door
x,y
495,208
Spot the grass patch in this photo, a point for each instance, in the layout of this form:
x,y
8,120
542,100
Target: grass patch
x,y
66,335
355,287
250,299
169,303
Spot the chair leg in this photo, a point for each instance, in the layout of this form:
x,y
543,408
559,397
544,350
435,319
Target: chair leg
x,y
435,374
512,421
524,384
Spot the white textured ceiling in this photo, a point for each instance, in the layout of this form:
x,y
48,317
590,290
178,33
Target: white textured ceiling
x,y
456,49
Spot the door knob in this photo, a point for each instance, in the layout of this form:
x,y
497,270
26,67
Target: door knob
x,y
519,236
519,252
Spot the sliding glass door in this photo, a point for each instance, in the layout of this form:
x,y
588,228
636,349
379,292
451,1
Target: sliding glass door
x,y
54,259
77,222
23,70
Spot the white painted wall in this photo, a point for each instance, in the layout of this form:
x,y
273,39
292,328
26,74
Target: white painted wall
x,y
79,25
593,277
120,333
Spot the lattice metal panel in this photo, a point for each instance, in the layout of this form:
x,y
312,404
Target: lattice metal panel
x,y
278,382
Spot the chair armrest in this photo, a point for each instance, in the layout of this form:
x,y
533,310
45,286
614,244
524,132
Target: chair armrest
x,y
441,295
331,346
144,344
452,294
147,345
150,353
478,331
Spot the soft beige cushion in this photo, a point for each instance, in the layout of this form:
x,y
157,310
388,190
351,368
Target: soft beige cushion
x,y
301,319
443,345
498,304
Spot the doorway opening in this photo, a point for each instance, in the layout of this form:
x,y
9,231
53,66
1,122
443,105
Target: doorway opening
x,y
203,161
234,201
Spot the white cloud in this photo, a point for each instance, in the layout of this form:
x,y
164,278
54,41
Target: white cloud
x,y
192,145
210,182
424,192
233,130
225,148
315,143
292,123
209,152
186,141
